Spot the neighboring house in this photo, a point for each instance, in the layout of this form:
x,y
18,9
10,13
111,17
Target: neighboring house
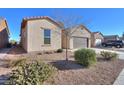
x,y
111,37
80,37
40,34
96,39
4,33
122,38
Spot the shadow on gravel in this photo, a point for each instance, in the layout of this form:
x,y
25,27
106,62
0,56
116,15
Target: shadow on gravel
x,y
4,50
15,50
66,65
4,63
3,79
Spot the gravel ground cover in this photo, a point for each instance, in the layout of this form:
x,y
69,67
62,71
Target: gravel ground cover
x,y
71,73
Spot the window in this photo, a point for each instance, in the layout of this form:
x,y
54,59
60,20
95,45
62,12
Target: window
x,y
47,36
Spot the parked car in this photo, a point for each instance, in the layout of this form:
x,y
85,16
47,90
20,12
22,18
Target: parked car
x,y
115,43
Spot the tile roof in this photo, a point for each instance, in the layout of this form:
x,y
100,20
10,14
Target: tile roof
x,y
95,32
35,17
78,26
42,17
98,33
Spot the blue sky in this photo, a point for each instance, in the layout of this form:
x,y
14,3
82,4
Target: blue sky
x,y
107,21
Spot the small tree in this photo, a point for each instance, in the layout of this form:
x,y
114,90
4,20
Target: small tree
x,y
67,23
13,42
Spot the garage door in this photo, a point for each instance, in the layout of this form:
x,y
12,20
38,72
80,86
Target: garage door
x,y
98,42
79,42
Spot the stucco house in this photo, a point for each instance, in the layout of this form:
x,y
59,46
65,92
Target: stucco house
x,y
80,37
111,37
96,39
40,34
4,33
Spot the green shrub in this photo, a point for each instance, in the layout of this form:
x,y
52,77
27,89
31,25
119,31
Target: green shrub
x,y
86,57
34,73
108,55
59,51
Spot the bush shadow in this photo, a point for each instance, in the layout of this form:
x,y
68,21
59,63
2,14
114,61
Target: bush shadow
x,y
66,65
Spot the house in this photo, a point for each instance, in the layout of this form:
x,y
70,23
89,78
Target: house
x,y
40,34
96,39
4,33
80,37
111,38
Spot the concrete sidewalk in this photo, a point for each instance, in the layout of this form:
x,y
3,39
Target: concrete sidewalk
x,y
97,50
120,54
120,79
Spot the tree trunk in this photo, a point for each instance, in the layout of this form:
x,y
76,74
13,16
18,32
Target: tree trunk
x,y
66,49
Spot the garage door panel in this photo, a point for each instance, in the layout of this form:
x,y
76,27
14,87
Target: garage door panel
x,y
79,42
98,42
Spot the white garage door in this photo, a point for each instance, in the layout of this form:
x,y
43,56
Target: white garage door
x,y
79,42
98,42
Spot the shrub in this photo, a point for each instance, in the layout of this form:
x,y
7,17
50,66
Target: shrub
x,y
17,62
86,57
34,73
39,53
108,55
48,52
13,42
59,51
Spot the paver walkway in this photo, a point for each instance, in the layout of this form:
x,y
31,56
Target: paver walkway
x,y
3,69
120,79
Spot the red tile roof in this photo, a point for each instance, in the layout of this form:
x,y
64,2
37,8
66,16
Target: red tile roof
x,y
38,17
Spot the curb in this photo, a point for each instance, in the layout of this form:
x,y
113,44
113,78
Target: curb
x,y
120,79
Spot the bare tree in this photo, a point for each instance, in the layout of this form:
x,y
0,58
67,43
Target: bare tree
x,y
69,22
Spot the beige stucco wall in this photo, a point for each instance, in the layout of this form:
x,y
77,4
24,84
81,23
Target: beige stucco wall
x,y
4,37
24,38
2,25
92,40
79,32
35,35
94,37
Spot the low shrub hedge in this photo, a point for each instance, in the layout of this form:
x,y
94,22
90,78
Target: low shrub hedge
x,y
108,55
34,73
86,57
15,63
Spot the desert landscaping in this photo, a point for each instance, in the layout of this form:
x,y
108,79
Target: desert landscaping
x,y
68,72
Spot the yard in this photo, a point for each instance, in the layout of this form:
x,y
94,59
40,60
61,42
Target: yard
x,y
104,72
